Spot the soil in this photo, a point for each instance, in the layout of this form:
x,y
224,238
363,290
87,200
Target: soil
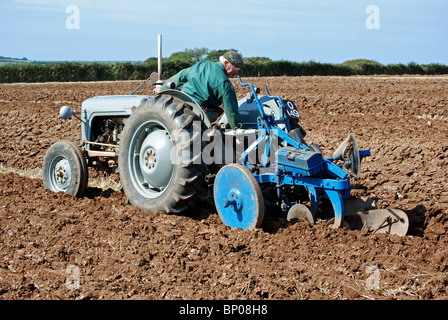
x,y
54,246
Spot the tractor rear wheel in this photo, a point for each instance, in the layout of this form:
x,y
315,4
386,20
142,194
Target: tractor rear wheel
x,y
159,171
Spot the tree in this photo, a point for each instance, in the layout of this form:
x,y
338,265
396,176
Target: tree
x,y
189,55
151,60
198,54
192,56
259,60
215,54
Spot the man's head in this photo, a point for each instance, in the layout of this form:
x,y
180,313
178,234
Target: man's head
x,y
232,62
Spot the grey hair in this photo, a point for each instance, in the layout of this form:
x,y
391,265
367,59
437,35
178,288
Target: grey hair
x,y
222,59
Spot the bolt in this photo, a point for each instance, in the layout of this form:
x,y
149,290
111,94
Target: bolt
x,y
150,158
229,202
60,174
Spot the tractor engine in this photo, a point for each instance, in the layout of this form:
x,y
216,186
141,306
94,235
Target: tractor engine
x,y
102,123
105,132
109,132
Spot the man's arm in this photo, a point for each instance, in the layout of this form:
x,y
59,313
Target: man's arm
x,y
230,105
179,79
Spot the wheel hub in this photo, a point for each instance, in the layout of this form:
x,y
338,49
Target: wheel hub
x,y
234,199
155,159
150,158
62,173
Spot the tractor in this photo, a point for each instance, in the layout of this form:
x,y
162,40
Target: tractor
x,y
167,149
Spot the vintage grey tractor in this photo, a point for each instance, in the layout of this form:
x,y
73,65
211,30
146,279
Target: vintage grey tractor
x,y
167,149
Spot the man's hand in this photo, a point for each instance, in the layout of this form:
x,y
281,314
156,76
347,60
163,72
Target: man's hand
x,y
156,89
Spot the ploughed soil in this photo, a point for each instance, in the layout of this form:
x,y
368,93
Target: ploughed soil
x,y
54,246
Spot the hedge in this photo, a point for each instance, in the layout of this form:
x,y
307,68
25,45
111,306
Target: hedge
x,y
95,71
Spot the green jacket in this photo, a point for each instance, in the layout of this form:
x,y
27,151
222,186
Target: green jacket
x,y
207,83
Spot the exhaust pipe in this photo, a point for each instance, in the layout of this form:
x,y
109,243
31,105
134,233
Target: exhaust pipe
x,y
159,69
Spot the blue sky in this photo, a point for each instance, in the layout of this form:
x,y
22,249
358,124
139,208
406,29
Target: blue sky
x,y
321,30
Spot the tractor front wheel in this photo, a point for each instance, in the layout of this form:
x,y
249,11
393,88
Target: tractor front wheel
x,y
65,169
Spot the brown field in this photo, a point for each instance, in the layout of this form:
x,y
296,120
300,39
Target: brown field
x,y
123,253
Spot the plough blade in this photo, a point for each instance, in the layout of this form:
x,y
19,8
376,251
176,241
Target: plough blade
x,y
391,221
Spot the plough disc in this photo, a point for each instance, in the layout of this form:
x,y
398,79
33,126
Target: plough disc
x,y
299,212
363,214
392,221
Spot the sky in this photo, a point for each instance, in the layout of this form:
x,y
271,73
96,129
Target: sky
x,y
327,31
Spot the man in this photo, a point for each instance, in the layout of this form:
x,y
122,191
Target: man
x,y
208,84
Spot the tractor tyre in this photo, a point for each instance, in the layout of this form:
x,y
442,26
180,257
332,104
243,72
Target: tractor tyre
x,y
65,169
158,169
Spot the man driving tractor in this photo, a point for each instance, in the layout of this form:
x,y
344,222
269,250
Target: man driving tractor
x,y
208,84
